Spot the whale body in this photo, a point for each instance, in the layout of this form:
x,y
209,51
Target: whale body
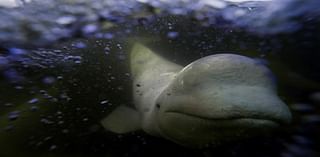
x,y
213,100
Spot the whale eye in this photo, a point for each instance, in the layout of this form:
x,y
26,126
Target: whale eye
x,y
158,105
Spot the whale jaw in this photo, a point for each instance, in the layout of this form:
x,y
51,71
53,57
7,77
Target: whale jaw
x,y
199,124
196,132
195,124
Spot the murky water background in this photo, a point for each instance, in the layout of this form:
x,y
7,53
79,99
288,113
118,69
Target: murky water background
x,y
64,66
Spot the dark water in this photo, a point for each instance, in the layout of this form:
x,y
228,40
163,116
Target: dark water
x,y
58,80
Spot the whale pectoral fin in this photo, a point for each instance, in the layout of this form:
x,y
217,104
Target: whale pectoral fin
x,y
122,120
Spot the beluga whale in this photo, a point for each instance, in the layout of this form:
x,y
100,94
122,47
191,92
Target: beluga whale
x,y
213,100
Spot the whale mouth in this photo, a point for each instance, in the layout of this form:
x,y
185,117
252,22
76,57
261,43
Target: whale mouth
x,y
228,122
196,131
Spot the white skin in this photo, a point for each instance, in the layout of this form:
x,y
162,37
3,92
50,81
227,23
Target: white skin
x,y
215,99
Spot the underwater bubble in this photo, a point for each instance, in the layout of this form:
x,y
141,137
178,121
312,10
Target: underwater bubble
x,y
47,96
286,154
178,11
311,119
108,35
297,150
104,102
3,61
107,50
32,92
8,104
53,147
33,101
34,108
66,20
293,148
127,74
172,35
302,140
14,115
169,25
315,97
65,131
9,128
59,113
120,88
42,91
233,13
119,46
39,143
58,51
77,62
302,107
54,99
215,4
90,28
122,57
143,1
73,58
128,31
12,75
65,96
46,121
47,138
239,12
99,35
17,51
79,45
18,87
77,57
48,80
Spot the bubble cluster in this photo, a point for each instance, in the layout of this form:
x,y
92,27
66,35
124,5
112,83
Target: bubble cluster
x,y
83,18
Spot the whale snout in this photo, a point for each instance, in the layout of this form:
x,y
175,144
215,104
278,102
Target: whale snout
x,y
220,98
232,114
236,102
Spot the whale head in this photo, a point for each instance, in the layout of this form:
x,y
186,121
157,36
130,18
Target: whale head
x,y
213,100
220,98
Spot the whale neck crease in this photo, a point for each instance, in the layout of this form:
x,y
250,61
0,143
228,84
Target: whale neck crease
x,y
151,75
